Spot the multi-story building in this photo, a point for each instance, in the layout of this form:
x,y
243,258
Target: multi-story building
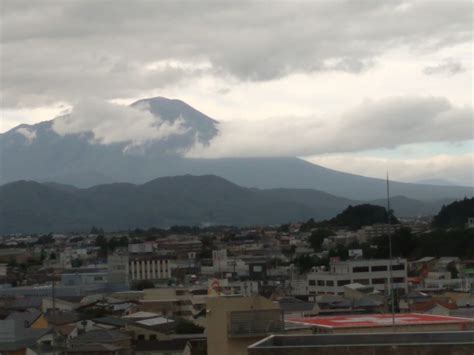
x,y
83,276
137,267
149,267
375,273
377,230
233,323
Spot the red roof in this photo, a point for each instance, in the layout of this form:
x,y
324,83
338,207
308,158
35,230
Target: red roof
x,y
426,306
378,320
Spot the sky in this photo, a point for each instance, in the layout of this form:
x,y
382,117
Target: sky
x,y
359,86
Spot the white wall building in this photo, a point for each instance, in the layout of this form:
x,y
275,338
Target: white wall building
x,y
136,267
365,272
149,268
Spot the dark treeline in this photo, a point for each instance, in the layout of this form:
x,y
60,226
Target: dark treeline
x,y
354,217
455,215
437,243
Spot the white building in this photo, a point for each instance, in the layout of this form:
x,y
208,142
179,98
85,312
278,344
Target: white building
x,y
140,248
470,222
136,267
376,230
149,267
374,273
219,260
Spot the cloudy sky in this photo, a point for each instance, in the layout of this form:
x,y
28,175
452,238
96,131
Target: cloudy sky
x,y
359,86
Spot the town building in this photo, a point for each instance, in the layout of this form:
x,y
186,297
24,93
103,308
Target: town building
x,y
381,323
362,344
372,272
233,323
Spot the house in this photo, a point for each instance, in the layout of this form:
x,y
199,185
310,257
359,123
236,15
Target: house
x,y
102,340
15,338
31,318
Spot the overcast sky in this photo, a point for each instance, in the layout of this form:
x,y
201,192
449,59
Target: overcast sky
x,y
359,86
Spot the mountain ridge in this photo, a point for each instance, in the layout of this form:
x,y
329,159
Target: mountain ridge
x,y
32,207
39,153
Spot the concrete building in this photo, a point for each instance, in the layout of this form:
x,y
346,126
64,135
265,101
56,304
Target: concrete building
x,y
470,222
377,230
148,267
118,269
441,280
374,273
79,277
140,248
383,323
362,344
233,323
137,267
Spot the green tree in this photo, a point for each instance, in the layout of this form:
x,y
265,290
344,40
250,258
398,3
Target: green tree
x,y
355,217
304,263
184,326
285,228
101,242
340,251
317,237
142,284
453,270
308,225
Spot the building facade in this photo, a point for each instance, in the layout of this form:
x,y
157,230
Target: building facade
x,y
375,273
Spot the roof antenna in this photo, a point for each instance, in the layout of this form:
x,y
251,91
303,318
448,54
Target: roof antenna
x,y
392,295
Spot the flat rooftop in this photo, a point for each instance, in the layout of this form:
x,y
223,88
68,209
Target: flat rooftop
x,y
377,320
374,339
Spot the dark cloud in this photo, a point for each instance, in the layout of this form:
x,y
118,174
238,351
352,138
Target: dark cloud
x,y
63,50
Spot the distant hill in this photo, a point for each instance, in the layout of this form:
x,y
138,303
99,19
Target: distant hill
x,y
32,207
355,217
455,215
37,152
441,182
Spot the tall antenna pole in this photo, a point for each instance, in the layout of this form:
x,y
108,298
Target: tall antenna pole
x,y
392,295
53,291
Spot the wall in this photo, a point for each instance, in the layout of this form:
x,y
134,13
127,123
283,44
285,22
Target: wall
x,y
217,319
434,349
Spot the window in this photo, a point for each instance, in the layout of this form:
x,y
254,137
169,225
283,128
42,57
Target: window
x,y
378,281
360,269
152,336
380,268
141,337
398,267
312,283
320,283
398,280
343,282
329,283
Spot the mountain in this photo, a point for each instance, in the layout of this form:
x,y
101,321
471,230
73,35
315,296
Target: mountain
x,y
32,207
442,182
37,152
455,214
27,206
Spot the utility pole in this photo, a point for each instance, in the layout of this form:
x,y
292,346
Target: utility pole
x,y
392,295
53,291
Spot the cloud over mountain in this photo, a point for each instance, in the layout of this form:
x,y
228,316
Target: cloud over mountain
x,y
385,123
110,123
